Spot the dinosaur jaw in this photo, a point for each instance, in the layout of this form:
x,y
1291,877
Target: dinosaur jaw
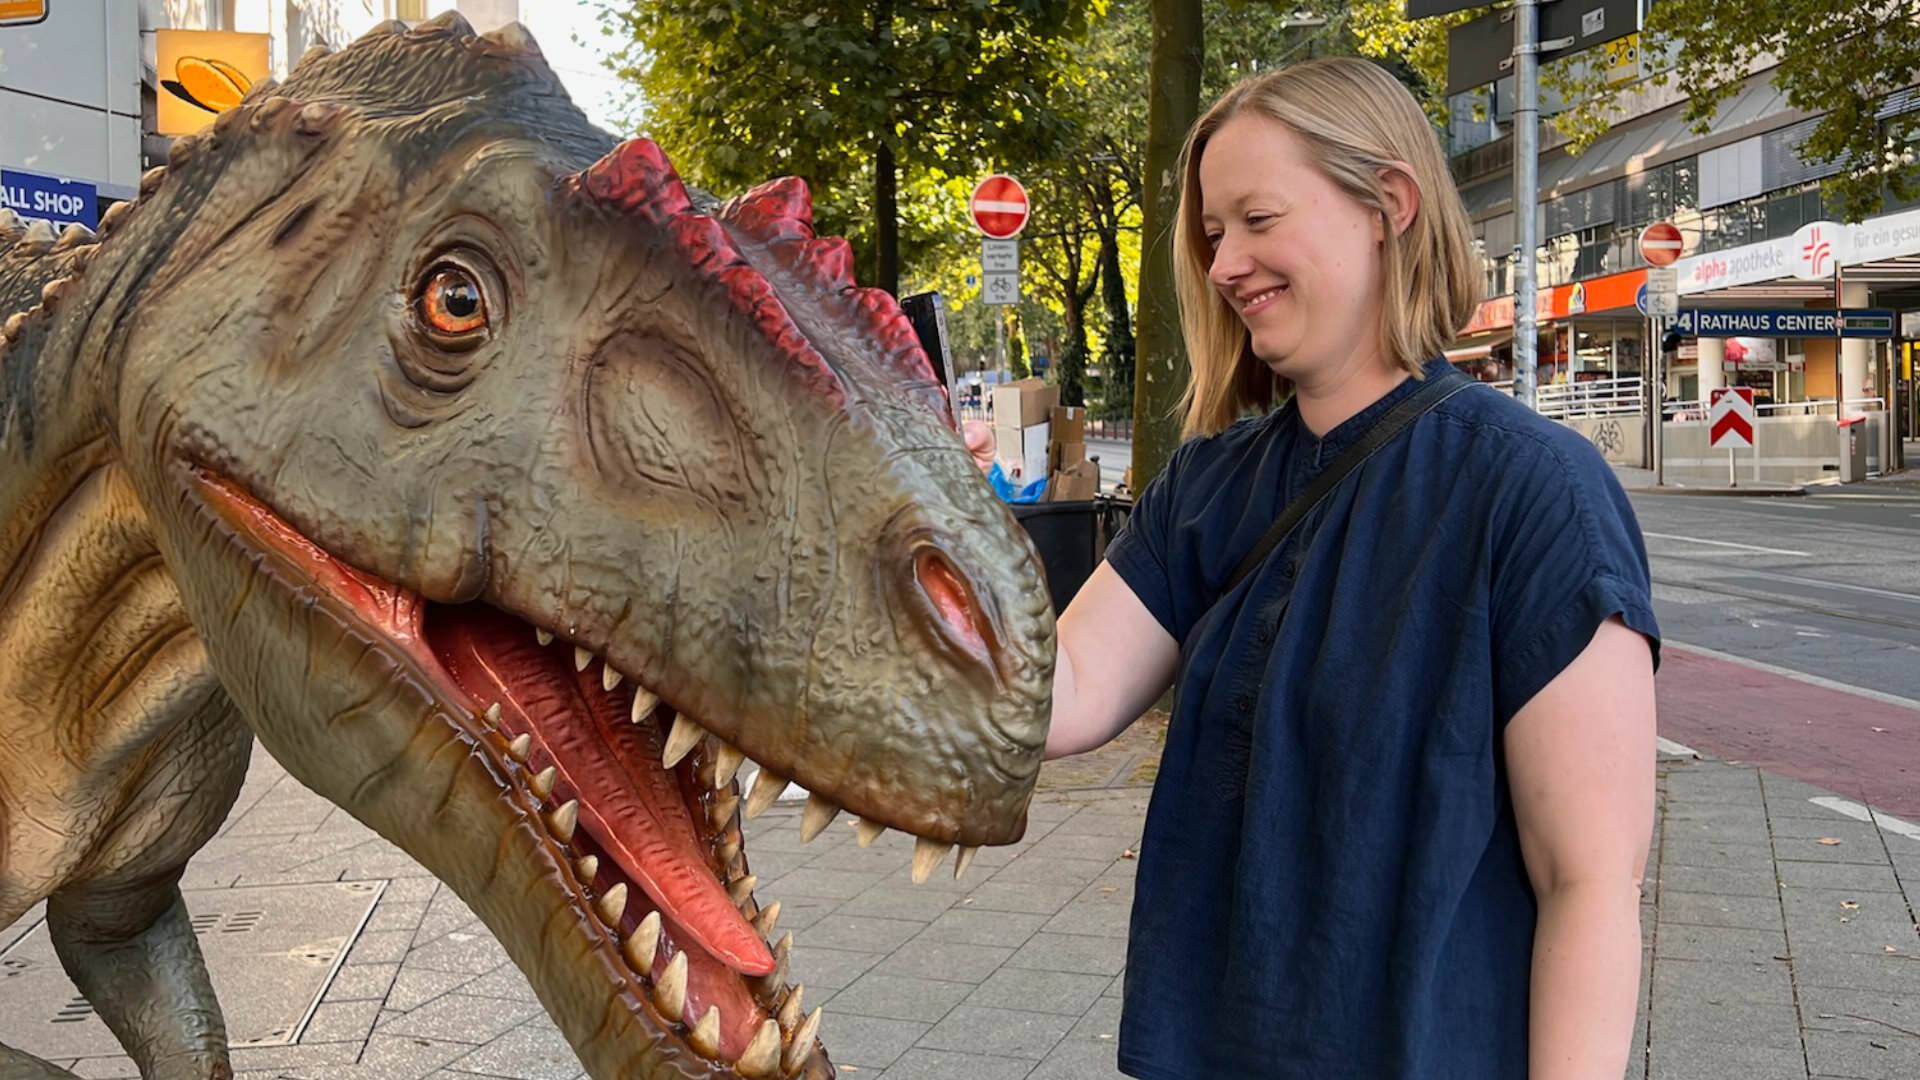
x,y
641,862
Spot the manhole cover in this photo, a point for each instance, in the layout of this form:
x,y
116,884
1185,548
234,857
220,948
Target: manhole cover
x,y
271,951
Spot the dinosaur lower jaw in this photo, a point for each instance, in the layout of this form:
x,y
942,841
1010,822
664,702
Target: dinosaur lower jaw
x,y
656,849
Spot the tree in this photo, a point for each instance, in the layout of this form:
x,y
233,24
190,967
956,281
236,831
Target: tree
x,y
858,97
1838,58
1159,377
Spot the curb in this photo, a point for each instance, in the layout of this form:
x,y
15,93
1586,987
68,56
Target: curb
x,y
1748,492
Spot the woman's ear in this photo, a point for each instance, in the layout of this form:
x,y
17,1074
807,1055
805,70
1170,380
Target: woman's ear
x,y
1401,195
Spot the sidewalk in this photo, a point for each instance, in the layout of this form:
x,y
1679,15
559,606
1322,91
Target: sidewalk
x,y
1780,934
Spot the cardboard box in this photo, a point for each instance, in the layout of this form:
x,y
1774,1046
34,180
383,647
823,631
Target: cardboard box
x,y
1024,403
1061,454
1080,480
1069,423
1021,452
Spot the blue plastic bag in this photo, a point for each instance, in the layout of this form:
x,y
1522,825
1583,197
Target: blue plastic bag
x,y
1008,493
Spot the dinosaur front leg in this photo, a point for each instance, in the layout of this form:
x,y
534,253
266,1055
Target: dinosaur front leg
x,y
132,952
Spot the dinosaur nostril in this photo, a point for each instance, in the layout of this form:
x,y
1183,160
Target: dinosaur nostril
x,y
953,601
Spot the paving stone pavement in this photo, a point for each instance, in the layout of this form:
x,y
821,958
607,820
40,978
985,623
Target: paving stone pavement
x,y
1780,940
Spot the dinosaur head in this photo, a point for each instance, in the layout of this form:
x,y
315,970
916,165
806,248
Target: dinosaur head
x,y
521,497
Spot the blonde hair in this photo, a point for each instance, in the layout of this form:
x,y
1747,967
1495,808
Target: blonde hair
x,y
1355,121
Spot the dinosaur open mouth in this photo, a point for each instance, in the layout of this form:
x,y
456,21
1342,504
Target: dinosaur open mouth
x,y
643,801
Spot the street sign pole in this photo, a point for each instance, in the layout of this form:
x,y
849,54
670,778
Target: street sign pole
x,y
1656,409
1526,162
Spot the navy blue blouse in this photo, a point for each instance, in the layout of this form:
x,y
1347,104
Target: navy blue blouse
x,y
1330,884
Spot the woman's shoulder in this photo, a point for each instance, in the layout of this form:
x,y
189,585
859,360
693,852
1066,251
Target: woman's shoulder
x,y
1512,443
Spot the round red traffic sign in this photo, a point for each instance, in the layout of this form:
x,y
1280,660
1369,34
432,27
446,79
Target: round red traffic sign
x,y
999,206
1661,243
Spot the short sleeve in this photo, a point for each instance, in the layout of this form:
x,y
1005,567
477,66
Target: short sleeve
x,y
1142,551
1567,555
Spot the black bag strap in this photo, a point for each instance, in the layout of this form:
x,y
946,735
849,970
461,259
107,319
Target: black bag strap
x,y
1410,408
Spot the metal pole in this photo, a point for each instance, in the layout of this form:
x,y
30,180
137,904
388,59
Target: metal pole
x,y
1658,411
1526,163
1000,341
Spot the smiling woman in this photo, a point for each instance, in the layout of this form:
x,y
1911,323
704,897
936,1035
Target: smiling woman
x,y
1407,785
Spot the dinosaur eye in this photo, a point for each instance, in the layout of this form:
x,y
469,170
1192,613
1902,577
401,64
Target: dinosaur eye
x,y
452,306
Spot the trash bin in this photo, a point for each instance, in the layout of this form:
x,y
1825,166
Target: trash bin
x,y
1071,539
1853,450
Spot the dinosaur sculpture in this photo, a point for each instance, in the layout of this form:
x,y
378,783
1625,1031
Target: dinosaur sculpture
x,y
510,496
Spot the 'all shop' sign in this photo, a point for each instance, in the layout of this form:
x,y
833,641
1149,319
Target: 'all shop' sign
x,y
62,202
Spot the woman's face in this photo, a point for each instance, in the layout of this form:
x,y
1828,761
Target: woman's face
x,y
1295,256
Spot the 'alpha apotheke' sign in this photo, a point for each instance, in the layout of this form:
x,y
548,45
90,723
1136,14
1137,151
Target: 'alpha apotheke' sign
x,y
61,202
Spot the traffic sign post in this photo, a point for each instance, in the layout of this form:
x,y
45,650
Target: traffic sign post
x,y
1730,423
999,207
1661,244
1000,210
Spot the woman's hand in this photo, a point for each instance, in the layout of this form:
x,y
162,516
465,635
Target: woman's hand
x,y
980,442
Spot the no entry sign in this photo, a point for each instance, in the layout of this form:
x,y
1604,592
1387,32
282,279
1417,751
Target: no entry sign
x,y
1730,419
1661,244
999,206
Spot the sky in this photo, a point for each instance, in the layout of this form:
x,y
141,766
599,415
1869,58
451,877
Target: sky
x,y
555,24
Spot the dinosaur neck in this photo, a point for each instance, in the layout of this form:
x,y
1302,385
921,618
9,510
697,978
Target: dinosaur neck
x,y
59,311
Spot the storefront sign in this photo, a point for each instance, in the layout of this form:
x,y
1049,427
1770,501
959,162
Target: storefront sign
x,y
203,73
1613,292
62,202
1783,323
1888,237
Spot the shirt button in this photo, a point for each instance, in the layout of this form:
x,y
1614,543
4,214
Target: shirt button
x,y
1286,569
1243,702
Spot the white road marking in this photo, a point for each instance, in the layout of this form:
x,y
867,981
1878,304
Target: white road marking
x,y
1727,544
1798,676
1869,815
1668,746
1776,575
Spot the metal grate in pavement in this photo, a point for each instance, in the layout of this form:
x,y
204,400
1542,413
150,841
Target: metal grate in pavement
x,y
271,951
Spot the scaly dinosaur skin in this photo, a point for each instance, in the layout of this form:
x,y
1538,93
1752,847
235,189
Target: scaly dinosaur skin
x,y
509,497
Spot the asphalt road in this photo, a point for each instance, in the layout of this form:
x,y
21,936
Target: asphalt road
x,y
1827,584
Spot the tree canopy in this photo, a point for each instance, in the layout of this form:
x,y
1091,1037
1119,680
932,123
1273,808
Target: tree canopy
x,y
858,97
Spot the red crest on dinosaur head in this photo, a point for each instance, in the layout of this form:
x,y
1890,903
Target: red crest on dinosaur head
x,y
767,231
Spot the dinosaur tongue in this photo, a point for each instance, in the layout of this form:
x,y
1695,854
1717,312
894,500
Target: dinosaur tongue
x,y
630,805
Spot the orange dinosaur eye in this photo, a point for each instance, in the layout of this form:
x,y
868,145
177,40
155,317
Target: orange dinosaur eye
x,y
452,302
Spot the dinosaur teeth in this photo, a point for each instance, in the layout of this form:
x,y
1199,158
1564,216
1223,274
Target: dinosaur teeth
x,y
722,811
790,1012
586,867
728,851
817,816
543,637
521,746
866,831
741,889
705,1036
639,948
770,983
964,860
562,821
726,763
766,788
769,915
609,678
928,854
670,992
801,1046
644,702
681,740
542,782
613,904
581,658
493,715
762,1055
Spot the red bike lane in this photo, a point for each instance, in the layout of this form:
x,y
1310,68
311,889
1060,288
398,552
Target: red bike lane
x,y
1857,746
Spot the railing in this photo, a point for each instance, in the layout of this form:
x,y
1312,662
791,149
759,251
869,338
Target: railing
x,y
1697,409
1598,397
1116,428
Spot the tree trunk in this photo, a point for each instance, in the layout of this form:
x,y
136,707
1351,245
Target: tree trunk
x,y
1072,357
886,209
1160,368
1117,360
886,201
